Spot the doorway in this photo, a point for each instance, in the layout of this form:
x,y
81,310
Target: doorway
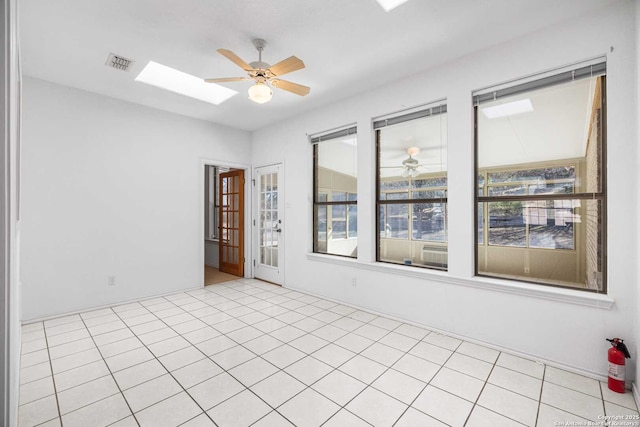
x,y
269,223
223,223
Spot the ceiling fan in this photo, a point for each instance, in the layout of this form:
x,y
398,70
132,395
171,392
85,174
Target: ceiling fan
x,y
264,74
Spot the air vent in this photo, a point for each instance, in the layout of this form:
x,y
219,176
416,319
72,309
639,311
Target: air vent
x,y
118,62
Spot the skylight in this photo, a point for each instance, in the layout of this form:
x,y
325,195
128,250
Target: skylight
x,y
167,78
389,5
508,109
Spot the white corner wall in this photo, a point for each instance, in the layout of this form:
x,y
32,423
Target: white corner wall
x,y
637,281
562,333
111,188
10,337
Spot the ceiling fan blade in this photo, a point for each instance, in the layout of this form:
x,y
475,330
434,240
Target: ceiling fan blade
x,y
285,66
235,59
291,87
227,79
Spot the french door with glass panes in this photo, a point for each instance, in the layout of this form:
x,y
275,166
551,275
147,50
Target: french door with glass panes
x,y
232,222
269,223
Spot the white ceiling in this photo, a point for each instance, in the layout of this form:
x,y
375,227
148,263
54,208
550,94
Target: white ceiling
x,y
347,46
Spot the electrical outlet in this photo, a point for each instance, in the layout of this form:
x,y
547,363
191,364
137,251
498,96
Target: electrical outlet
x,y
354,282
111,281
526,270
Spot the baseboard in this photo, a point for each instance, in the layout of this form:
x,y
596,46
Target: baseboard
x,y
85,310
591,374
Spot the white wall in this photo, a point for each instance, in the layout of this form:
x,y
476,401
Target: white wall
x,y
565,333
212,253
637,320
9,220
112,189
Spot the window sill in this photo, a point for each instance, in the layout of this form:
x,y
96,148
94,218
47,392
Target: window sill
x,y
568,296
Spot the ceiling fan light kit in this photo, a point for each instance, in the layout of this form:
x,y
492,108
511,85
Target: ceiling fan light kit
x,y
264,74
260,93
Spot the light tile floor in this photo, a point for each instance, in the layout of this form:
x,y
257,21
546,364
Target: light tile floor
x,y
250,353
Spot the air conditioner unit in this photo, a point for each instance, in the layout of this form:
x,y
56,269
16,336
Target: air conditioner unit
x,y
434,256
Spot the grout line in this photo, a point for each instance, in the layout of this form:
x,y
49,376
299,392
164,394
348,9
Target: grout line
x,y
112,378
544,369
53,378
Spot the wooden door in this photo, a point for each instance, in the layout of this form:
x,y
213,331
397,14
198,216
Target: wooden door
x,y
232,222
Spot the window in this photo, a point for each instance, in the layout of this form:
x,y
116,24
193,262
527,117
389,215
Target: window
x,y
335,200
540,208
412,188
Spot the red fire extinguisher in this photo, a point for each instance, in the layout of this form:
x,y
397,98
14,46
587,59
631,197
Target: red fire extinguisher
x,y
617,354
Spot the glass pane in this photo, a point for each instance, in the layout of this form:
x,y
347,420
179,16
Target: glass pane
x,y
427,247
396,221
335,179
338,197
563,237
397,196
506,224
336,166
480,223
320,241
338,221
538,175
428,194
431,182
557,188
428,222
551,223
352,220
508,190
391,184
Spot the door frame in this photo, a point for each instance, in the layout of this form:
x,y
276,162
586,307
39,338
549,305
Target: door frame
x,y
248,206
282,215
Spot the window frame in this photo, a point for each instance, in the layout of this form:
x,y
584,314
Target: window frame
x,y
327,204
600,196
436,108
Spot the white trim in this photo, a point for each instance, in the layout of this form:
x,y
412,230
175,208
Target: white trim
x,y
312,135
100,307
636,392
248,236
405,111
570,368
540,75
569,296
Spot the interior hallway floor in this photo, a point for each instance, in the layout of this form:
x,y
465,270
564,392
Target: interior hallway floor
x,y
213,276
250,353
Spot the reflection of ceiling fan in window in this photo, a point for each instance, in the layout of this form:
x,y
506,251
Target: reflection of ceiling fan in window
x,y
409,165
